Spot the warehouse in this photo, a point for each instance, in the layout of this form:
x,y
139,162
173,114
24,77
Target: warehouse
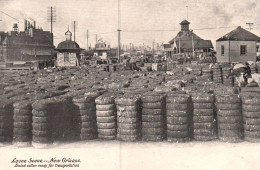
x,y
238,45
186,41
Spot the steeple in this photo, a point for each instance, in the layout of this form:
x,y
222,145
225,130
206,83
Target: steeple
x,y
68,35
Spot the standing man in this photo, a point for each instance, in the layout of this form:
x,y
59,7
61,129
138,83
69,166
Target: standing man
x,y
247,72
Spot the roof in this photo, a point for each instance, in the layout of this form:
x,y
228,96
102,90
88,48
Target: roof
x,y
239,34
68,44
184,35
198,44
167,45
184,22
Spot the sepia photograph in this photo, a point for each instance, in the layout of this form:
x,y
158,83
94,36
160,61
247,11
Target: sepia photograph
x,y
129,84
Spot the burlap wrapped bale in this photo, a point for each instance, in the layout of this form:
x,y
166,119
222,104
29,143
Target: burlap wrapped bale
x,y
251,117
178,115
106,116
204,122
229,116
153,114
22,133
128,117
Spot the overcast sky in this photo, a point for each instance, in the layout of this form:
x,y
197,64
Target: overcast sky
x,y
139,18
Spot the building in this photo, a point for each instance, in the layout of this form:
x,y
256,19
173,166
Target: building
x,y
102,50
32,44
187,42
238,45
68,52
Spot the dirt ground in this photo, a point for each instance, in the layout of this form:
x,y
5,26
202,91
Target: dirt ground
x,y
116,155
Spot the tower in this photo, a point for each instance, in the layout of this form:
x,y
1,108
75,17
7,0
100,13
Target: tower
x,y
185,25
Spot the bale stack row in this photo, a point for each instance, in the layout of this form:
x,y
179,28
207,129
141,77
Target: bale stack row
x,y
227,78
217,74
6,120
251,118
61,119
41,128
22,132
85,117
178,117
6,126
2,123
153,117
204,123
229,118
207,74
106,117
128,118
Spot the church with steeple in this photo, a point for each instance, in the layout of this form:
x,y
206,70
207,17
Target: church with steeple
x,y
68,52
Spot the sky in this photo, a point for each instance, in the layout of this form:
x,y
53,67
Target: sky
x,y
142,21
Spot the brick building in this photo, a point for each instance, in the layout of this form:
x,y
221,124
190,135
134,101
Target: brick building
x,y
32,44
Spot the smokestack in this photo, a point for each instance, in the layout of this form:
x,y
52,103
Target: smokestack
x,y
34,24
25,25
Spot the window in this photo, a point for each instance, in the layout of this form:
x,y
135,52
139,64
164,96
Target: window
x,y
222,50
66,57
243,50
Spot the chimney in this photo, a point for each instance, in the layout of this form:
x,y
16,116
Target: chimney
x,y
25,25
34,24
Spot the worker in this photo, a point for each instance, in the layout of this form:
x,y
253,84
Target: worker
x,y
247,72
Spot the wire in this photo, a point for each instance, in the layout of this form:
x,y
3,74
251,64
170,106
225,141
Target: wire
x,y
11,17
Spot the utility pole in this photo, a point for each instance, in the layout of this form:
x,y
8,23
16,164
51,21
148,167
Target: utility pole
x,y
153,47
250,25
192,43
187,12
74,26
96,38
51,16
119,30
144,48
87,41
179,46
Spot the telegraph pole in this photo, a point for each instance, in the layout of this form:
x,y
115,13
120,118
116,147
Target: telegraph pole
x,y
187,12
74,26
119,30
87,41
153,47
192,43
96,38
250,25
51,16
